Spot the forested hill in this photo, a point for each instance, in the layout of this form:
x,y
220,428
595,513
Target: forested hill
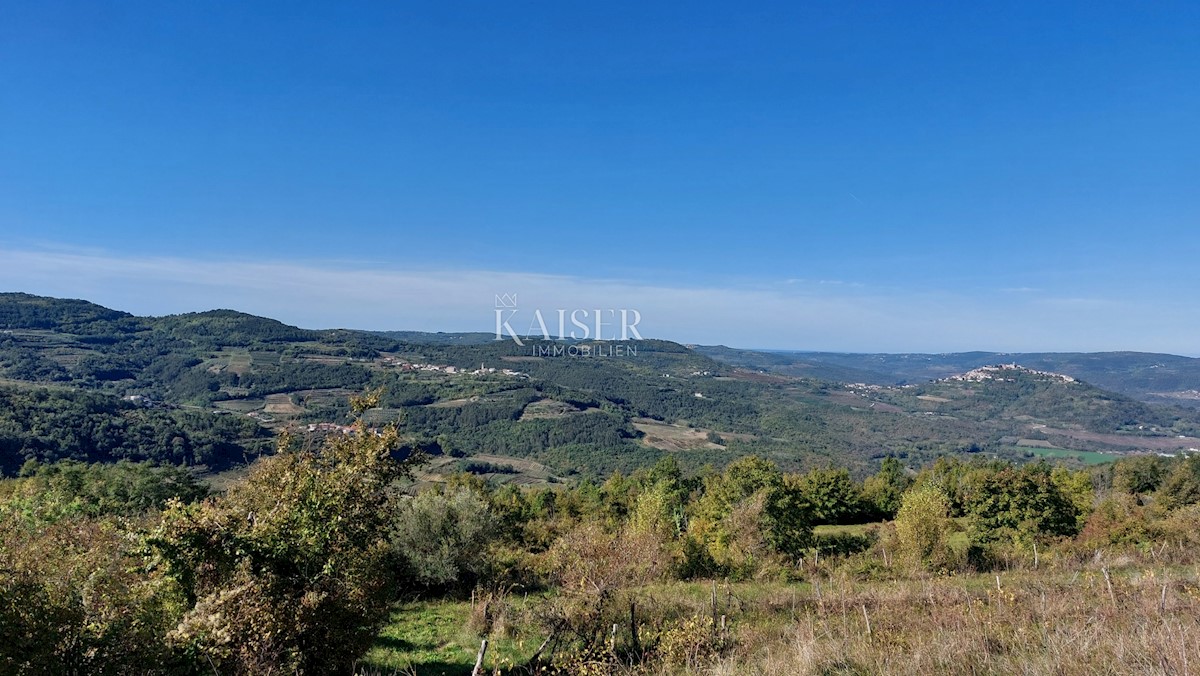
x,y
210,388
1147,376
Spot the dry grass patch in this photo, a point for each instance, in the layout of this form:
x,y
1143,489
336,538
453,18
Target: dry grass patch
x,y
1149,624
281,404
668,437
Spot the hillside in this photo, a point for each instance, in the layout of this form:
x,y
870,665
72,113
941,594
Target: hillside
x,y
1149,377
463,395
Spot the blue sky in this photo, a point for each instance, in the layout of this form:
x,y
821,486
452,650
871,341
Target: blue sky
x,y
841,176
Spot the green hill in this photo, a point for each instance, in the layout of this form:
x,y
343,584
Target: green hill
x,y
580,410
1149,377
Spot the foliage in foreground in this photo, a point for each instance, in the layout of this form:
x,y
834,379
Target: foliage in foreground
x,y
288,572
126,569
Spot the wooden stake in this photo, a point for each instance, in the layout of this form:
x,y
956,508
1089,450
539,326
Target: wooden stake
x,y
478,670
867,618
633,628
542,647
714,604
1108,581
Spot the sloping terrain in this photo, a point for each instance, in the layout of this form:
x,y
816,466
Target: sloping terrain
x,y
461,395
1149,377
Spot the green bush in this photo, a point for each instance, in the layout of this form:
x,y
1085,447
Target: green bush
x,y
442,538
291,571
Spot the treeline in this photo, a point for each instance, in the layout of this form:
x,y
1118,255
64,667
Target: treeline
x,y
25,311
48,493
655,384
799,424
50,425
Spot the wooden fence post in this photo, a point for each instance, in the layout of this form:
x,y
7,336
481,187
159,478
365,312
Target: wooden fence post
x,y
478,670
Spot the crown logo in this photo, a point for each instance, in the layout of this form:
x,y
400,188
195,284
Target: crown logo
x,y
508,300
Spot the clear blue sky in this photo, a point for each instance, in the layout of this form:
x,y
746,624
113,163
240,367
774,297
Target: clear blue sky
x,y
860,176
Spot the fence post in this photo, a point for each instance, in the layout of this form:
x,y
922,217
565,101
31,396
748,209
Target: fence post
x,y
478,670
633,628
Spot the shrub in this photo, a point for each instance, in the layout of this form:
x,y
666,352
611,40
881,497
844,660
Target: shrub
x,y
290,570
441,538
594,570
749,513
1182,485
75,599
692,643
923,524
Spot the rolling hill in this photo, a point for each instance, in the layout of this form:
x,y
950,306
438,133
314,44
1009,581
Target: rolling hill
x,y
1149,377
583,412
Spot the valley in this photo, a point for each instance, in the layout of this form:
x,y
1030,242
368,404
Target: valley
x,y
461,395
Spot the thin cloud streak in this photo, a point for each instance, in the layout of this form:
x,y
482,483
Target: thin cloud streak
x,y
812,315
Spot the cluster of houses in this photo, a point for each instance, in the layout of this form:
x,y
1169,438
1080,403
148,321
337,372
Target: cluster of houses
x,y
864,387
481,371
145,402
995,373
451,370
330,428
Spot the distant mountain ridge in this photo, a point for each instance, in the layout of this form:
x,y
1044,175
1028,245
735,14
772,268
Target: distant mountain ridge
x,y
1150,377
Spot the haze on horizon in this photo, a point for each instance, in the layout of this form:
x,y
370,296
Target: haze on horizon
x,y
853,178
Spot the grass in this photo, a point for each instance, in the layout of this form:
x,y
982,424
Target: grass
x,y
1059,620
528,472
433,638
849,529
240,405
1033,624
1084,457
219,482
426,639
674,437
957,538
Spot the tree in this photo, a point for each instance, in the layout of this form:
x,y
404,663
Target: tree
x,y
1077,487
1182,485
833,496
47,493
1139,474
1019,506
441,537
883,492
923,523
75,599
750,511
291,569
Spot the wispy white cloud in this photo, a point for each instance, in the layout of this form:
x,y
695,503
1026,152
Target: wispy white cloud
x,y
800,314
